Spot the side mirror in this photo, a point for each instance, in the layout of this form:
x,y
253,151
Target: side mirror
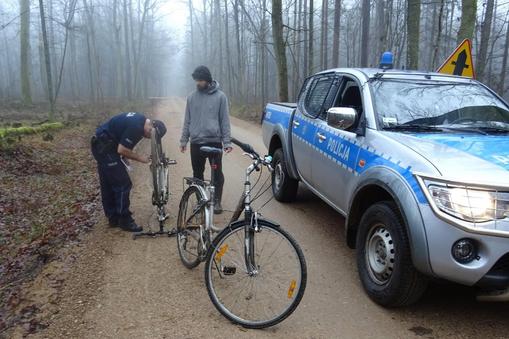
x,y
341,117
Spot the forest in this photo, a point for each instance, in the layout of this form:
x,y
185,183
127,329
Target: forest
x,y
259,50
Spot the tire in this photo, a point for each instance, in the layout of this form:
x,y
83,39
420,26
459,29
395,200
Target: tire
x,y
384,258
154,167
229,234
187,235
284,187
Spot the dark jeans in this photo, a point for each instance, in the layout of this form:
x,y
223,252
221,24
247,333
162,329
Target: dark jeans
x,y
198,160
115,183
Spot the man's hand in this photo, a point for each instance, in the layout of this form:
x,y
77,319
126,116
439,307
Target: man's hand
x,y
183,149
228,149
129,154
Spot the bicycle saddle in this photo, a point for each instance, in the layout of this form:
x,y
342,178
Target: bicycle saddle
x,y
210,150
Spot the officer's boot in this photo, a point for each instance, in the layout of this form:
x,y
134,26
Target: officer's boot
x,y
113,221
127,223
218,209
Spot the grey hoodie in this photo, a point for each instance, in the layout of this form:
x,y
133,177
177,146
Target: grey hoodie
x,y
207,119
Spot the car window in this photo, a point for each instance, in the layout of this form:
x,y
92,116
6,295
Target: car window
x,y
317,95
349,95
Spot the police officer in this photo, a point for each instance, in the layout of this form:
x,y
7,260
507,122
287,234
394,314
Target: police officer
x,y
112,145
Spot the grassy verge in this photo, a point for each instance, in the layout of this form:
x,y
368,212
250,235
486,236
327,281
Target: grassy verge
x,y
26,130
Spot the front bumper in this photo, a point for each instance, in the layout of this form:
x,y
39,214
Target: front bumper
x,y
489,270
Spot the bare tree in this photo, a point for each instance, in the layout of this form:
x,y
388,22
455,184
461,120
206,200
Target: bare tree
x,y
365,32
413,24
24,36
485,37
468,13
47,59
335,38
280,49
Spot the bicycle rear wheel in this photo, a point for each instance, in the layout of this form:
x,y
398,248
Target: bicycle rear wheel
x,y
190,227
262,299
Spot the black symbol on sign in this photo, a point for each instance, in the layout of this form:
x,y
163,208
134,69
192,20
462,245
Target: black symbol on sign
x,y
460,63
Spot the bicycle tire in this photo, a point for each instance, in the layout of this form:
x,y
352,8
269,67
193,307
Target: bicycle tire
x,y
211,265
154,165
183,231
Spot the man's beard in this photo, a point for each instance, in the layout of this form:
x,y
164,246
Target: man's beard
x,y
202,87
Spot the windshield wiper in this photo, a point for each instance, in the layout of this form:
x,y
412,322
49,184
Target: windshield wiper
x,y
484,130
414,128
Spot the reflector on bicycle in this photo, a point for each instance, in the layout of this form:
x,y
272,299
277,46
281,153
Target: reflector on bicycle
x,y
291,289
221,252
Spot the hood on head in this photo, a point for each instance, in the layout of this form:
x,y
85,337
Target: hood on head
x,y
213,87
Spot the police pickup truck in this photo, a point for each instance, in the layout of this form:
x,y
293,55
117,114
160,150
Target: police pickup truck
x,y
418,163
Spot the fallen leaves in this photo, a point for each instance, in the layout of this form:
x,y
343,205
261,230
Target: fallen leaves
x,y
48,198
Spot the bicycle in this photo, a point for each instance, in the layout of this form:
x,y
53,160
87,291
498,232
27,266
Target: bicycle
x,y
159,168
255,272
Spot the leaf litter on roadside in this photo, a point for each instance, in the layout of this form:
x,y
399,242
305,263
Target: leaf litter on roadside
x,y
48,197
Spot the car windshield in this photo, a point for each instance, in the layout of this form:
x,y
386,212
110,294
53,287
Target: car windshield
x,y
447,105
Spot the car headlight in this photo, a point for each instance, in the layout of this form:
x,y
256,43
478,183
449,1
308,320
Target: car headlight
x,y
469,204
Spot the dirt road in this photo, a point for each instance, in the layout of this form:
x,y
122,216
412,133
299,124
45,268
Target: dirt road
x,y
120,288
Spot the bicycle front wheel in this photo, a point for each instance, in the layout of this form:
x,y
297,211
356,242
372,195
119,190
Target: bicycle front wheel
x,y
190,227
266,297
155,167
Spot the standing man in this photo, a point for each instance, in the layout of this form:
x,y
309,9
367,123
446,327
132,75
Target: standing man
x,y
112,145
207,123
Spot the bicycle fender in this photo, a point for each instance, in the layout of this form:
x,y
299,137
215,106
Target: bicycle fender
x,y
261,220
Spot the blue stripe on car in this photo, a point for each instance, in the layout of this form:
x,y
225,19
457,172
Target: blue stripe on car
x,y
351,162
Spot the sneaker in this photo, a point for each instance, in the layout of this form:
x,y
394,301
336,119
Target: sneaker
x,y
218,209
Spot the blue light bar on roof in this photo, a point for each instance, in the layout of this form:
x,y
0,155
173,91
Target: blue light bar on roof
x,y
386,61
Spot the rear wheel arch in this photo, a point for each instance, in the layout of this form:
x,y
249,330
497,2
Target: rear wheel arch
x,y
275,143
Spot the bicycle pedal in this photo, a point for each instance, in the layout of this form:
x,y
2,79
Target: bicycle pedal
x,y
228,270
172,162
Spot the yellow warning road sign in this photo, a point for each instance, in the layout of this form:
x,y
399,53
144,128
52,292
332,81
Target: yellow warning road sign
x,y
460,62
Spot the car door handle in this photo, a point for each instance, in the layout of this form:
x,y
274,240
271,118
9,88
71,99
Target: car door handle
x,y
296,123
321,137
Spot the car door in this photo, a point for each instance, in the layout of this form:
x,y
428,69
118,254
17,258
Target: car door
x,y
310,102
336,155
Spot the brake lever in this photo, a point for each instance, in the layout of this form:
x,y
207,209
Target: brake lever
x,y
249,155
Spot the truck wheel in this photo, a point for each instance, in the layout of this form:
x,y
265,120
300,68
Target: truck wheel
x,y
284,187
384,259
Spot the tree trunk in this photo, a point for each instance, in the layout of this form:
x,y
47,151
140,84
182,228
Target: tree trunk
x,y
413,24
127,53
438,39
324,34
280,50
365,32
310,44
468,14
501,86
485,37
24,36
380,28
335,36
47,62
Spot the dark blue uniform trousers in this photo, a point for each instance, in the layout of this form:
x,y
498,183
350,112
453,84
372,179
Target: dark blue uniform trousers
x,y
115,184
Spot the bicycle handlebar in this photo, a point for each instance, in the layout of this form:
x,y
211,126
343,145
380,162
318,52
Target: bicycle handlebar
x,y
245,147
